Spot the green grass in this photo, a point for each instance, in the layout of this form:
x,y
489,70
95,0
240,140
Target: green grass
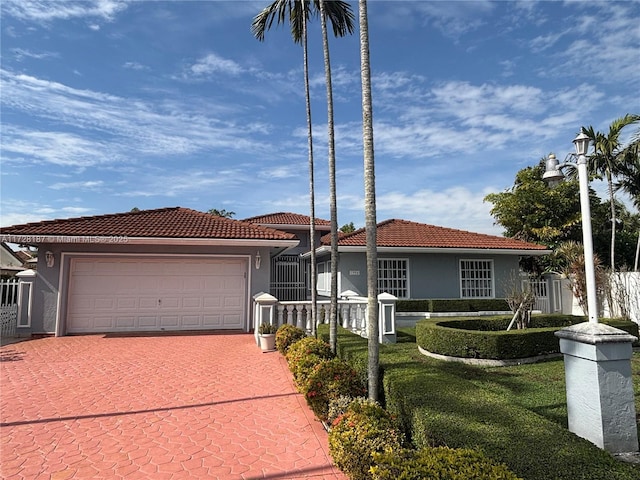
x,y
515,415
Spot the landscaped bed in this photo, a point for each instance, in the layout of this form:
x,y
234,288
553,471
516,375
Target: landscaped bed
x,y
488,338
514,415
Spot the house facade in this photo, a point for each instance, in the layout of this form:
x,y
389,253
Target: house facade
x,y
420,261
153,270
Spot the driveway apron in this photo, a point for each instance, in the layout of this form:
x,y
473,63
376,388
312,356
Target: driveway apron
x,y
154,407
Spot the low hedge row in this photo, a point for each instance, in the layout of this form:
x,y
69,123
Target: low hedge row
x,y
453,305
488,338
464,407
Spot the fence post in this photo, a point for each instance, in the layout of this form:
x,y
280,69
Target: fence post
x,y
387,318
26,279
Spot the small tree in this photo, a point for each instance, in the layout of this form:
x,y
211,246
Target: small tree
x,y
521,300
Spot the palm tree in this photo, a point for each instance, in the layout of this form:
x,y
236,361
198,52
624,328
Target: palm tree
x,y
369,205
604,161
298,12
628,173
342,20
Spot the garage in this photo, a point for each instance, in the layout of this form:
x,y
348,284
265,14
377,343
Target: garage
x,y
134,293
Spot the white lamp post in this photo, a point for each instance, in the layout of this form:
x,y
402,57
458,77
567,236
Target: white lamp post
x,y
552,175
597,357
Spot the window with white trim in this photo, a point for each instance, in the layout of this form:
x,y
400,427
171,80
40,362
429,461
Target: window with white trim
x,y
393,276
476,279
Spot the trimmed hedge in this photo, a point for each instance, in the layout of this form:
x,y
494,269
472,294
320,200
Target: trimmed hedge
x,y
364,429
441,463
488,338
286,336
453,305
303,355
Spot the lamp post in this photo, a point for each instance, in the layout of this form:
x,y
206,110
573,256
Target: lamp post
x,y
552,175
597,357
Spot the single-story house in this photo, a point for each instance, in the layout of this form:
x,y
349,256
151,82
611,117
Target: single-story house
x,y
179,269
150,270
420,261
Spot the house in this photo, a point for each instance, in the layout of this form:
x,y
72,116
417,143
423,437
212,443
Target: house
x,y
290,270
150,270
419,261
10,261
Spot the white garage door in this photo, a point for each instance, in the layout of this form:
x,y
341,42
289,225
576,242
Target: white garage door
x,y
113,294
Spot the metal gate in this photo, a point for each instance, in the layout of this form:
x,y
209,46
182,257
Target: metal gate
x,y
288,278
540,290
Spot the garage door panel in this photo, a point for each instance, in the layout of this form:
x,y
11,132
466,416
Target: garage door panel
x,y
128,294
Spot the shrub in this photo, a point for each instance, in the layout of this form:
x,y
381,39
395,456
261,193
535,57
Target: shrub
x,y
441,463
338,406
329,380
453,305
488,337
304,355
288,335
364,429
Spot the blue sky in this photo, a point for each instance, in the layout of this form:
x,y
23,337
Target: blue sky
x,y
112,104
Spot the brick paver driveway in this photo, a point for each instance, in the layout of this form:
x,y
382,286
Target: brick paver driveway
x,y
154,407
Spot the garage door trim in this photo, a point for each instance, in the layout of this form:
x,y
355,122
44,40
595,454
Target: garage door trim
x,y
66,276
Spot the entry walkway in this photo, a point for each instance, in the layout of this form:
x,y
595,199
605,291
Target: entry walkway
x,y
154,407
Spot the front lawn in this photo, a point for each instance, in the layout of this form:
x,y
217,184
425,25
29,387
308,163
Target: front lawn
x,y
515,415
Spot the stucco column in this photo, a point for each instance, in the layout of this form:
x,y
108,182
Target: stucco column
x,y
387,318
263,312
600,398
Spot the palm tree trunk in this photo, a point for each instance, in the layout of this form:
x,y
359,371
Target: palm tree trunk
x,y
333,309
635,264
369,206
312,207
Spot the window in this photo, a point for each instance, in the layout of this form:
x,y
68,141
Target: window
x,y
393,277
476,278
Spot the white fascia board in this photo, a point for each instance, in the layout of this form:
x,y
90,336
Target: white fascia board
x,y
465,251
124,240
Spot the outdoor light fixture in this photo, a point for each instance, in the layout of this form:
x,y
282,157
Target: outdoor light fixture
x,y
50,259
258,260
552,176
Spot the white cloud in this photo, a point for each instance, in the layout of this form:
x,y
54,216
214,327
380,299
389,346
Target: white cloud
x,y
93,185
20,54
43,11
135,66
211,64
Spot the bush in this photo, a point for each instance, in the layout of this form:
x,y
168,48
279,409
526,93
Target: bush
x,y
338,406
329,380
488,337
288,335
440,463
453,305
304,355
364,429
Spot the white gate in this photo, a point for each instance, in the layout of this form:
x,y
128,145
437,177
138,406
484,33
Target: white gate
x,y
8,306
541,291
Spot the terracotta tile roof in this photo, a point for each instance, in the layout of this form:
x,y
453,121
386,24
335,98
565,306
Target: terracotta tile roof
x,y
403,233
176,222
286,218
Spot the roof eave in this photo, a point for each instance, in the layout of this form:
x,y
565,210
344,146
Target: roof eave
x,y
125,240
464,250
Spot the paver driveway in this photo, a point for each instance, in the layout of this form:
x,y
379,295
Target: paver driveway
x,y
154,407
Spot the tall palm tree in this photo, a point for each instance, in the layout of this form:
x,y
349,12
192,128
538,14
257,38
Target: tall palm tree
x,y
298,12
604,161
629,179
369,205
342,20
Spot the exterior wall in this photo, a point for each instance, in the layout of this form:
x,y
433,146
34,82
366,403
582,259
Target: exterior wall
x,y
49,293
431,275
